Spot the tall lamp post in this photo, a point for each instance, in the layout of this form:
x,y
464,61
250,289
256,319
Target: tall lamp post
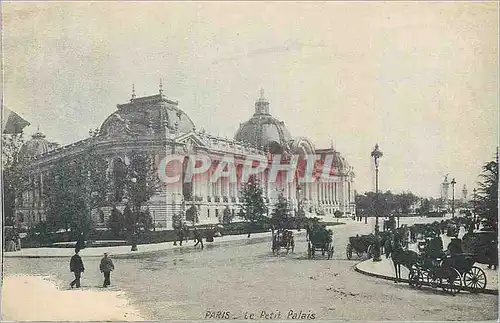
x,y
476,217
134,214
453,182
376,154
299,199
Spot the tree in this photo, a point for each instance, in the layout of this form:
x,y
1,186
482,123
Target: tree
x,y
74,187
486,199
425,206
14,177
141,183
406,200
128,217
146,220
116,222
281,213
62,196
252,208
94,182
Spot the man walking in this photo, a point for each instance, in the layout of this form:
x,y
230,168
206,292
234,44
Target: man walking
x,y
76,267
106,267
198,238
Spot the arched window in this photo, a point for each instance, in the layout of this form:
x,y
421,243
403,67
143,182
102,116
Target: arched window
x,y
101,216
119,174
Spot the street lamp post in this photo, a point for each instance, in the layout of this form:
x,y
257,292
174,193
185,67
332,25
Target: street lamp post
x,y
476,217
376,154
134,215
453,182
299,199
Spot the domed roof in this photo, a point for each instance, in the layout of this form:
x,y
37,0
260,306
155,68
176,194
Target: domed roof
x,y
37,145
146,116
263,130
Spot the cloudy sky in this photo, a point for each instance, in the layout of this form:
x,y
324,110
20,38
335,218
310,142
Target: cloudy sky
x,y
421,79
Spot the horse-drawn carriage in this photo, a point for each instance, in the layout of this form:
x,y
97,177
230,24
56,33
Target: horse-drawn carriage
x,y
361,245
320,239
484,244
283,239
450,273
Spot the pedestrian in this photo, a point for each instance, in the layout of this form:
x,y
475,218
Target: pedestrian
x,y
106,267
76,267
198,238
185,232
80,242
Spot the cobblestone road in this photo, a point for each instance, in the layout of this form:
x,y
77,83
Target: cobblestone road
x,y
239,277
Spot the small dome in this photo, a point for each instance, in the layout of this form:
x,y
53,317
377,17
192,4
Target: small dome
x,y
36,146
263,130
341,163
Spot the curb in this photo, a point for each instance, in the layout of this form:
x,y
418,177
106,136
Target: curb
x,y
403,280
133,254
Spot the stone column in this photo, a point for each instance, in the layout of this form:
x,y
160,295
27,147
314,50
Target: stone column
x,y
335,192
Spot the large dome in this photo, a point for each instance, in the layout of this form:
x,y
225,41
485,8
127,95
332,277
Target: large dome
x,y
263,130
146,116
36,146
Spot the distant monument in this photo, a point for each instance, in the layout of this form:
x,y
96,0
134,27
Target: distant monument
x,y
445,189
464,193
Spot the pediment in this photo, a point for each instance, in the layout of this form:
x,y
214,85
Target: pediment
x,y
191,140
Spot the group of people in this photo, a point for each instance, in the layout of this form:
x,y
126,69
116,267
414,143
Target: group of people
x,y
12,241
182,234
77,268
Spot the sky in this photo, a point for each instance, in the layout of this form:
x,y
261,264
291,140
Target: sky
x,y
418,78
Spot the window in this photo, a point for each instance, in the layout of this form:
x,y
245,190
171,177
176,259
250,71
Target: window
x,y
119,171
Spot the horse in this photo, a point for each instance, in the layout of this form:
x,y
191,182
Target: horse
x,y
407,258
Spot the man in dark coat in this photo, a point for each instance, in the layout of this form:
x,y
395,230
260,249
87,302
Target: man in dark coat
x,y
76,267
106,268
198,238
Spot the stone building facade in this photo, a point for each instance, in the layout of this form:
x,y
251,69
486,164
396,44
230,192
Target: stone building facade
x,y
157,126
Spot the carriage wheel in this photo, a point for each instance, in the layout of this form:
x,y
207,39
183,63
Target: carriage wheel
x,y
475,278
309,251
415,278
453,282
432,280
348,251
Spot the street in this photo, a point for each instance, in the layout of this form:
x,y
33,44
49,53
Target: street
x,y
245,279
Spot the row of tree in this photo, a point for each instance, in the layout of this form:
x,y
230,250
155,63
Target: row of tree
x,y
385,204
75,186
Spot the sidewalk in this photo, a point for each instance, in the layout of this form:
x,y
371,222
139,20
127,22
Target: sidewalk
x,y
35,298
385,270
125,250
